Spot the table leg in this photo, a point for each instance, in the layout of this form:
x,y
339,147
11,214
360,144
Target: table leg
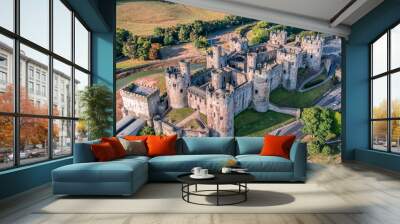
x,y
217,194
195,188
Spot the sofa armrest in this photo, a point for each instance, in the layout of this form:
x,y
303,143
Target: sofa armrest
x,y
298,155
83,152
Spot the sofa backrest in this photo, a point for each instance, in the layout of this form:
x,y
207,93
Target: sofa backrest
x,y
206,145
249,145
83,153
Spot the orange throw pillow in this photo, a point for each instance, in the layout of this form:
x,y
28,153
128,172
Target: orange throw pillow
x,y
277,145
161,145
103,152
116,145
136,138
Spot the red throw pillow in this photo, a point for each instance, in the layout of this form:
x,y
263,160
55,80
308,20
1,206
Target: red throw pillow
x,y
103,152
116,145
277,145
161,145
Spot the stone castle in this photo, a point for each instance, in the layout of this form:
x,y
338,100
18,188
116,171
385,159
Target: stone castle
x,y
234,80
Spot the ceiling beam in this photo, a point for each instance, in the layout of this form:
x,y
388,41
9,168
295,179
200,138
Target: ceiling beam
x,y
346,12
270,15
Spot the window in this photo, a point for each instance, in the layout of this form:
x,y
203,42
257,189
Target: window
x,y
35,21
49,80
385,95
7,14
81,45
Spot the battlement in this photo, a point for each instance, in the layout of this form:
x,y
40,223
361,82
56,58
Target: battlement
x,y
310,40
138,92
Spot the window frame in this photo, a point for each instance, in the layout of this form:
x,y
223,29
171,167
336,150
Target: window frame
x,y
16,114
388,74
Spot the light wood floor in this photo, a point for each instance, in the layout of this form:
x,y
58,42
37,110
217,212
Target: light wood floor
x,y
379,189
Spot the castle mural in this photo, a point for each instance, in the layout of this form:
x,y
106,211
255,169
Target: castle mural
x,y
212,93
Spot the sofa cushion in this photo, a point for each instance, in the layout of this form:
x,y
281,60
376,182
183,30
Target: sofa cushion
x,y
116,145
185,163
112,171
161,145
277,145
249,145
257,163
207,145
103,152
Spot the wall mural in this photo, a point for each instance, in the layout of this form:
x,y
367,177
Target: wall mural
x,y
195,72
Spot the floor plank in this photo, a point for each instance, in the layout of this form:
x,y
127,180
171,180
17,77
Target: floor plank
x,y
378,191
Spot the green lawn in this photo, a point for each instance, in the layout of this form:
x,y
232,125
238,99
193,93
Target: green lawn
x,y
285,98
131,63
177,115
252,123
126,80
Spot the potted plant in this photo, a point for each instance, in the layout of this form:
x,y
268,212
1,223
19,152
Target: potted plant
x,y
96,103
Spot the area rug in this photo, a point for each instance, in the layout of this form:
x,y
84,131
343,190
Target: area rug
x,y
166,198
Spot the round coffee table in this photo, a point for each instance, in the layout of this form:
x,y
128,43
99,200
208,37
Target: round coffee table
x,y
238,179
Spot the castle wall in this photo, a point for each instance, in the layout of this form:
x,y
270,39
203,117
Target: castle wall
x,y
242,97
220,118
197,99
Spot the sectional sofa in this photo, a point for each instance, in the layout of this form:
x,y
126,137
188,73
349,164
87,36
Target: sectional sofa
x,y
125,176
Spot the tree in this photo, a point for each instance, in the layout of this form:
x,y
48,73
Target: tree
x,y
143,47
121,37
260,35
168,39
184,33
147,130
97,103
322,124
130,47
154,51
201,42
33,131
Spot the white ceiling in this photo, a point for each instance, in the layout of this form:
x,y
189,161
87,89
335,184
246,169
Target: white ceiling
x,y
317,15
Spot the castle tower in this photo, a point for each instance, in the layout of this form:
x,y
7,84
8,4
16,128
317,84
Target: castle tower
x,y
312,48
218,79
215,59
220,116
278,38
291,61
261,91
184,67
177,84
251,65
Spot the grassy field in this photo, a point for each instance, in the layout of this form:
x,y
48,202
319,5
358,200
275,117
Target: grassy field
x,y
252,123
154,74
125,81
177,115
141,17
285,98
129,63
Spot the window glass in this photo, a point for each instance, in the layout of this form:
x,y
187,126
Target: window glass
x,y
62,89
81,131
395,136
395,47
36,102
395,94
7,14
6,74
33,140
34,21
379,98
62,29
81,45
62,138
379,56
379,135
81,82
6,142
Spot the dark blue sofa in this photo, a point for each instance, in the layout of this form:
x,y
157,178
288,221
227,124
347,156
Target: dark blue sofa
x,y
125,176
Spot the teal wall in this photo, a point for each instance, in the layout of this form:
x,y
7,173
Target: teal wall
x,y
99,15
356,86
